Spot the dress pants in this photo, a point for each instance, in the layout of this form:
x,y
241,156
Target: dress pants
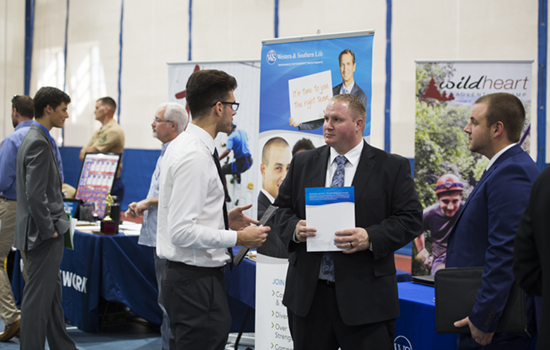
x,y
324,329
501,341
8,310
160,264
194,298
42,316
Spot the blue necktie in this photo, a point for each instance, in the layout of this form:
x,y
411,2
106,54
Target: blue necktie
x,y
327,264
57,155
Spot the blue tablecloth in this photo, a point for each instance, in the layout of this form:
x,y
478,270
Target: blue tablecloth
x,y
115,268
240,285
240,282
415,328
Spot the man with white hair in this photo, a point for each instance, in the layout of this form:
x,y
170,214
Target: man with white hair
x,y
170,120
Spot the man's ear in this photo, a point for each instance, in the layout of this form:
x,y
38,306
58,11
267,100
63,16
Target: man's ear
x,y
218,108
262,169
360,123
498,129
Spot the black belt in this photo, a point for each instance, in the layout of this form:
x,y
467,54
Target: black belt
x,y
180,265
326,283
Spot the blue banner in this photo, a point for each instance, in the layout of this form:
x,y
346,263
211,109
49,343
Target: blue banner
x,y
285,63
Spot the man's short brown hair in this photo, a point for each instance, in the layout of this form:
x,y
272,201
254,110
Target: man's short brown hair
x,y
355,105
205,88
507,109
48,96
108,101
24,105
346,52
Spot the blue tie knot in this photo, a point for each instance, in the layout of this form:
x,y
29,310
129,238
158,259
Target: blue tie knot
x,y
341,160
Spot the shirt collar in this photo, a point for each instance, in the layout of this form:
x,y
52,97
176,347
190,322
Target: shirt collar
x,y
43,128
495,157
203,135
270,197
164,146
352,156
23,124
349,88
109,123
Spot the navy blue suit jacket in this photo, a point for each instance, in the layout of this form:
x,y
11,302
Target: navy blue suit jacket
x,y
486,228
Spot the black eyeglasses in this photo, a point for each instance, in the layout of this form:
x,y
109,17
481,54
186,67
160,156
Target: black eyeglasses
x,y
234,105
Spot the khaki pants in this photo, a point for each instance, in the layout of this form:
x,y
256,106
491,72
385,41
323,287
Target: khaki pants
x,y
8,309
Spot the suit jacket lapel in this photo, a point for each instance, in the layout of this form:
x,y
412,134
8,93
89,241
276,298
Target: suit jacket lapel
x,y
364,169
317,175
47,138
511,152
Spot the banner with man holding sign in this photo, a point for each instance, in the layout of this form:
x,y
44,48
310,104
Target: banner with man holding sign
x,y
298,78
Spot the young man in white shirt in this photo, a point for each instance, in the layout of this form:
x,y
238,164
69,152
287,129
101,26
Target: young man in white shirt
x,y
194,228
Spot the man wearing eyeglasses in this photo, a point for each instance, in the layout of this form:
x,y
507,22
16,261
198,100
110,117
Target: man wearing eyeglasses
x,y
108,139
194,228
170,120
238,143
22,113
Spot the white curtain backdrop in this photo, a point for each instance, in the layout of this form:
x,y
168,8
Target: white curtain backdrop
x,y
157,32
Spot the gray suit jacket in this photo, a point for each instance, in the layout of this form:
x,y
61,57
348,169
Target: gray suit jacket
x,y
40,211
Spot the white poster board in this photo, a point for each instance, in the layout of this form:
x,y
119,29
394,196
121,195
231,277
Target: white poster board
x,y
247,74
271,326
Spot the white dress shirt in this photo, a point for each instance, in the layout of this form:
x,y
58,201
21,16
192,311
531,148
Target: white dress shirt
x,y
348,88
495,157
190,216
350,168
268,195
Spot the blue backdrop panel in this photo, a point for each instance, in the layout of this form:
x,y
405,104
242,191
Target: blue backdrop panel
x,y
138,167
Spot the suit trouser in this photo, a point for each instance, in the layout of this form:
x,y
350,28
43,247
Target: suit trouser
x,y
41,312
324,329
501,341
194,298
8,310
160,264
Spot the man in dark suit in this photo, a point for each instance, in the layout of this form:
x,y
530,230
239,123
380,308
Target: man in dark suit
x,y
347,299
275,163
346,61
40,225
531,264
485,229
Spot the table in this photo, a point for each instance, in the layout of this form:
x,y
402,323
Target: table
x,y
115,268
240,285
241,280
415,328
